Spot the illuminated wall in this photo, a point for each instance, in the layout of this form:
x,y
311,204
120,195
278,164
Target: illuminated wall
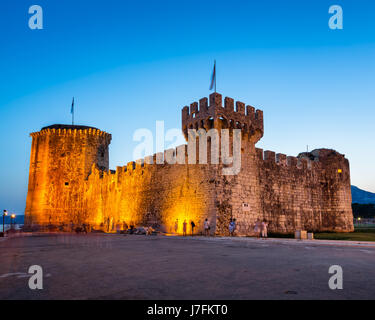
x,y
163,196
60,162
70,182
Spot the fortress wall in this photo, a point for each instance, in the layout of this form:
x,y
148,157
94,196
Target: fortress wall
x,y
69,181
335,191
288,192
233,191
291,193
151,194
304,194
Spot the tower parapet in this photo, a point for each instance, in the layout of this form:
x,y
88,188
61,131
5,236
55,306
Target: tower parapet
x,y
204,115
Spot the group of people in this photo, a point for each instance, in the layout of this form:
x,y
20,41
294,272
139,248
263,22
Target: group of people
x,y
77,228
192,226
260,228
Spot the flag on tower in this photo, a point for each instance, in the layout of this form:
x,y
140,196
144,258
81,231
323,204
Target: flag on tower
x,y
72,112
72,109
213,78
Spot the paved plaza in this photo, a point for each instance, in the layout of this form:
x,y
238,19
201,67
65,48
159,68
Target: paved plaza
x,y
99,266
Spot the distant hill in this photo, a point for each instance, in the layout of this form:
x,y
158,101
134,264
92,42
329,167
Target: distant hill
x,y
362,196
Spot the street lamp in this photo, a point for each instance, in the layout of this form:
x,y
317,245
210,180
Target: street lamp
x,y
5,213
12,220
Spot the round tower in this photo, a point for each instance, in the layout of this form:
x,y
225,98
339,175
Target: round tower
x,y
61,159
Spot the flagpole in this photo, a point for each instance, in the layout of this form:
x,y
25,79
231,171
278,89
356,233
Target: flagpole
x,y
215,76
72,112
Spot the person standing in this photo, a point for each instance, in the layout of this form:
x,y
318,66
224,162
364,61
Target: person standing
x,y
184,227
124,226
176,226
118,227
264,229
84,228
231,227
192,227
206,228
257,229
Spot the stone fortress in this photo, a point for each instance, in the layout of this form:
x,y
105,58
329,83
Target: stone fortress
x,y
70,181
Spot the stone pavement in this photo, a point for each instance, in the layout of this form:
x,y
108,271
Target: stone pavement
x,y
370,244
100,266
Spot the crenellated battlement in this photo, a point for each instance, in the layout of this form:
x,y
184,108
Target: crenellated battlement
x,y
173,156
304,161
282,160
69,130
209,114
179,155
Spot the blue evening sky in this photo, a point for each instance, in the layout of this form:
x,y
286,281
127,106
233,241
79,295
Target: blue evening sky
x,y
130,63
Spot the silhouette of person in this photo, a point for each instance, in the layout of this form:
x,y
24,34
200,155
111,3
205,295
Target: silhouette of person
x,y
257,229
124,226
192,227
206,227
176,226
184,227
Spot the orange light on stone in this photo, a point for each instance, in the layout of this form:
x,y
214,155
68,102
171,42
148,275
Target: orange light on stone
x,y
183,204
339,170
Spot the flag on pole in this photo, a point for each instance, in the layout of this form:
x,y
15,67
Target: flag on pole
x,y
72,109
72,112
213,78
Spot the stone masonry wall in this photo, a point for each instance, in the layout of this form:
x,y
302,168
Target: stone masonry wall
x,y
163,196
289,193
70,182
61,160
